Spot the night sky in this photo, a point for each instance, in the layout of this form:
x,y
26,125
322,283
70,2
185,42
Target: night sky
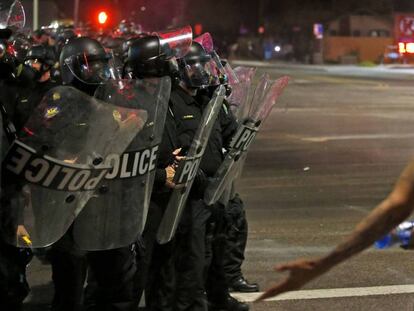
x,y
226,17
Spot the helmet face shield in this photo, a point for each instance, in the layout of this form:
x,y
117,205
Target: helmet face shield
x,y
201,74
116,67
11,14
206,41
175,42
227,75
90,69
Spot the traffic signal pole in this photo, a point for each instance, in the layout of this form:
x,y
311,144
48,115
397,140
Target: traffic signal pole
x,y
35,14
76,13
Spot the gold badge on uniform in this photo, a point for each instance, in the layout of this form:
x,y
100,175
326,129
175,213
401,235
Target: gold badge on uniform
x,y
189,116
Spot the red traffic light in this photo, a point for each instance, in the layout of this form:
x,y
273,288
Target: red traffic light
x,y
198,29
102,17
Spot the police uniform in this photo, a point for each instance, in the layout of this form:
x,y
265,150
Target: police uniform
x,y
13,260
191,233
154,263
112,271
189,250
28,99
236,240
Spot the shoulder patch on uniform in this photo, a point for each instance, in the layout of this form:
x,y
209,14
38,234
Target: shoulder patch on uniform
x,y
188,116
51,112
56,96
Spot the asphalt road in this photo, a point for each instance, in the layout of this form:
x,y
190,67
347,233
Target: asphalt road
x,y
328,153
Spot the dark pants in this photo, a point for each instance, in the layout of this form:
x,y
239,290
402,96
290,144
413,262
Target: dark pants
x,y
190,254
13,285
176,277
155,262
69,268
236,239
160,287
216,282
111,272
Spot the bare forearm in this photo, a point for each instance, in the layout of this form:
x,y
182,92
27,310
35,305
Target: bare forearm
x,y
386,216
378,223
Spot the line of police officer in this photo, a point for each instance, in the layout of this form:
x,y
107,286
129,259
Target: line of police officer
x,y
188,273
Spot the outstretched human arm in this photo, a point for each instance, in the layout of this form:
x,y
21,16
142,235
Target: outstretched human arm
x,y
387,215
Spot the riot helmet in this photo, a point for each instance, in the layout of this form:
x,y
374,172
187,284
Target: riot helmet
x,y
63,36
40,59
154,55
198,69
83,61
146,58
115,44
41,53
127,29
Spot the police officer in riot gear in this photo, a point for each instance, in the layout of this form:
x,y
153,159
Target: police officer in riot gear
x,y
198,73
146,59
236,228
14,78
84,65
237,231
41,60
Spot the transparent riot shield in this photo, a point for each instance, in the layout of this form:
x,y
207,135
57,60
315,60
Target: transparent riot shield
x,y
239,97
116,217
264,99
240,80
187,169
55,167
12,14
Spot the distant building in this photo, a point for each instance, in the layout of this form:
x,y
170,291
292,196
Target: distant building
x,y
358,38
361,26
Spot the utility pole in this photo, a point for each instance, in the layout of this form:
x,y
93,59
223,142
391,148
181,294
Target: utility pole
x,y
35,14
76,13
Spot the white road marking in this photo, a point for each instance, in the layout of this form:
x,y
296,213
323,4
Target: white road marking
x,y
301,81
360,209
357,137
331,293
